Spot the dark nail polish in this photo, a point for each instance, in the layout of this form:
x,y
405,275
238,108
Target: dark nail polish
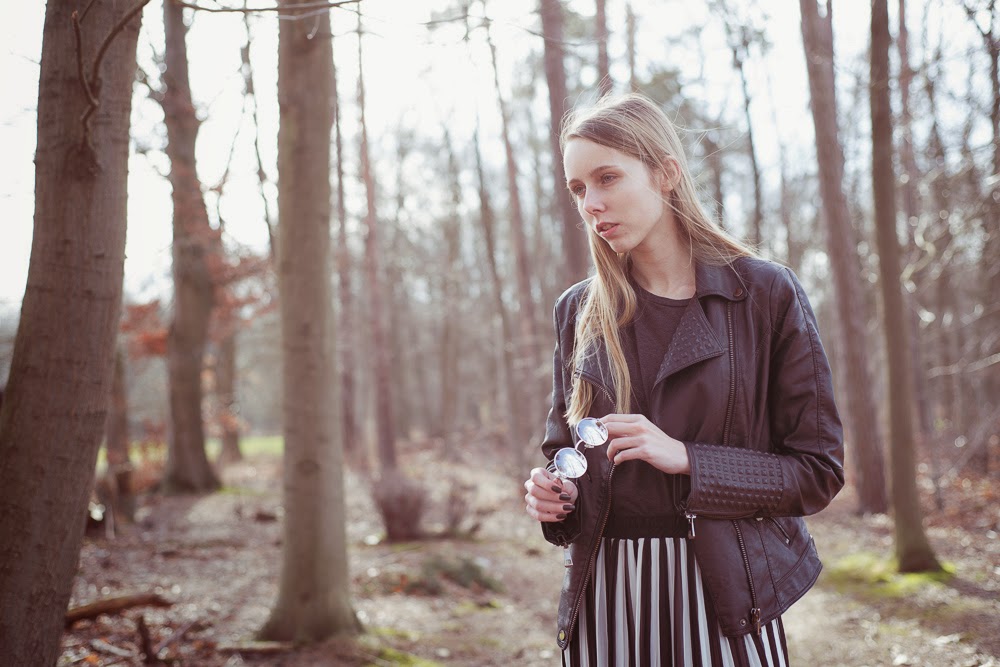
x,y
560,516
568,508
564,496
557,489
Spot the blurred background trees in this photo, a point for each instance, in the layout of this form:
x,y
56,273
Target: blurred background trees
x,y
452,233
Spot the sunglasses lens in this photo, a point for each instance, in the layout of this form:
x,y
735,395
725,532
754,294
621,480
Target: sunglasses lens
x,y
592,432
570,462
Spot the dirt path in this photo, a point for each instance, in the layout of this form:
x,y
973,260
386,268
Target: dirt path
x,y
218,559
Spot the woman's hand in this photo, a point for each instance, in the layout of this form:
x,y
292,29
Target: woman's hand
x,y
549,498
635,438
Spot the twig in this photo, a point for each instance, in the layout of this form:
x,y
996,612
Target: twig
x,y
105,647
84,79
92,82
259,647
253,10
113,606
111,35
145,643
176,636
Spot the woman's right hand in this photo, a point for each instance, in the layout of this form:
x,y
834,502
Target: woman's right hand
x,y
549,498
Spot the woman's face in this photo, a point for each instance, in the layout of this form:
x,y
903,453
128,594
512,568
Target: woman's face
x,y
618,197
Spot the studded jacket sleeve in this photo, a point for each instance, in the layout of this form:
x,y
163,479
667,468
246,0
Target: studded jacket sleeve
x,y
800,469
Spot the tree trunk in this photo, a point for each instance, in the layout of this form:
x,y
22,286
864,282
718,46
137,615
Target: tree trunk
x,y
913,550
604,82
381,359
525,344
117,442
346,365
990,258
756,238
314,595
55,402
575,252
187,469
951,390
713,159
451,294
228,406
630,29
911,211
512,391
817,37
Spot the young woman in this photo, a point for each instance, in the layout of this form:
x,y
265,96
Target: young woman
x,y
684,538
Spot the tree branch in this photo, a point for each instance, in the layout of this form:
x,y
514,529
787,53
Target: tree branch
x,y
252,10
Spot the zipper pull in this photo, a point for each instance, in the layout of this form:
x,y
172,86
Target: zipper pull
x,y
690,517
567,558
755,619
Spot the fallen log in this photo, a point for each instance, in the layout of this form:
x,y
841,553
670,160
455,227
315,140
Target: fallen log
x,y
114,605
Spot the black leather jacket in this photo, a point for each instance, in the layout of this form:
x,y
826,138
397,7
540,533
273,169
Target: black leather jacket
x,y
746,385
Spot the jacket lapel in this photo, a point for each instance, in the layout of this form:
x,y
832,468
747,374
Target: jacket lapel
x,y
694,341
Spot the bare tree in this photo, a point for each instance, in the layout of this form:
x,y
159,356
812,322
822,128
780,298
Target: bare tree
x,y
188,469
381,357
990,258
314,594
913,550
526,342
604,81
55,402
817,37
346,364
575,253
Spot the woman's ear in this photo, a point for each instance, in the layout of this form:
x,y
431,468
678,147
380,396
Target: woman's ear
x,y
670,175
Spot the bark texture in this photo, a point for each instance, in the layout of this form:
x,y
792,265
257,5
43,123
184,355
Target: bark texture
x,y
55,402
314,594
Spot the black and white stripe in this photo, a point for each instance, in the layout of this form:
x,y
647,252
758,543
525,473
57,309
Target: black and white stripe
x,y
645,607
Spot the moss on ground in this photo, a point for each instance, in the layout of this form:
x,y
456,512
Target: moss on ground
x,y
871,576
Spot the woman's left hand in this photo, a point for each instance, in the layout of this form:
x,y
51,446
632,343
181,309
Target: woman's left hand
x,y
635,438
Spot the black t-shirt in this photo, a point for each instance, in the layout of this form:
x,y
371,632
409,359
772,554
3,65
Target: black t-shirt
x,y
642,498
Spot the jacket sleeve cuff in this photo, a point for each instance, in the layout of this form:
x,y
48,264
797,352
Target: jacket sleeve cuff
x,y
732,482
563,533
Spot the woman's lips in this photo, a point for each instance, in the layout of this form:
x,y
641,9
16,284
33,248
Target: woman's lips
x,y
606,229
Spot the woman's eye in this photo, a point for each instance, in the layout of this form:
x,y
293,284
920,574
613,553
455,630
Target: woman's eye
x,y
577,190
607,178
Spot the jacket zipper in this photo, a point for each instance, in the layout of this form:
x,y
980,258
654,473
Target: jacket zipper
x,y
732,376
599,384
754,609
593,554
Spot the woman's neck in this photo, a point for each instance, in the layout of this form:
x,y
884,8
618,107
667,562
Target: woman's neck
x,y
665,268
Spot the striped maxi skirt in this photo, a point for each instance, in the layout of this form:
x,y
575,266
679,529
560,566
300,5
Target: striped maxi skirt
x,y
645,606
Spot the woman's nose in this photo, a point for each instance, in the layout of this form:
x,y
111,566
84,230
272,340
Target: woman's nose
x,y
592,203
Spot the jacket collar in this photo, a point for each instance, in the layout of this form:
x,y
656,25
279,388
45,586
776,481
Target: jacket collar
x,y
695,340
719,280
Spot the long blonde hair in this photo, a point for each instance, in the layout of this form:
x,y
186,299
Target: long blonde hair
x,y
636,126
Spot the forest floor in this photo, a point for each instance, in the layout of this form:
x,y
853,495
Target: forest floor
x,y
490,598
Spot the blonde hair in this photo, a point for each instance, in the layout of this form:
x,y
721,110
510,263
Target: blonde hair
x,y
636,126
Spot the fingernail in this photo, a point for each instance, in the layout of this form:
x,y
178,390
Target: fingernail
x,y
565,496
560,516
568,508
557,489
